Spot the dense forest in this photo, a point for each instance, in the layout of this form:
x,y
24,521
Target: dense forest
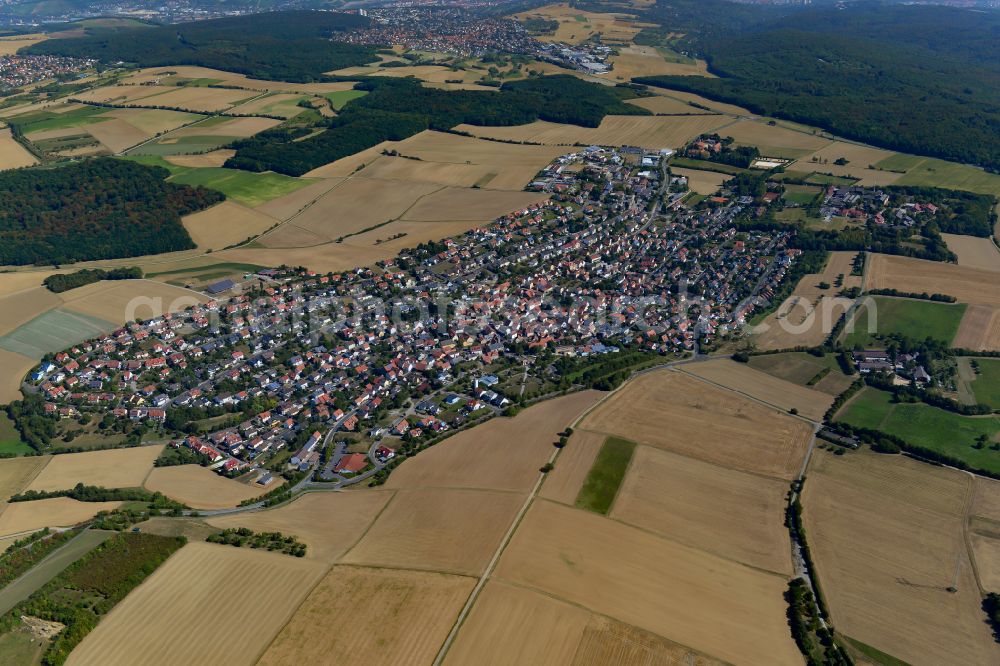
x,y
395,109
284,46
892,76
61,282
95,209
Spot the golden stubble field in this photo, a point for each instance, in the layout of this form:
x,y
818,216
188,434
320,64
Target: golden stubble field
x,y
501,454
206,605
438,529
328,523
226,224
23,517
974,252
152,75
575,460
984,528
12,154
705,422
378,616
576,25
635,60
736,515
113,468
918,275
887,535
653,132
705,602
701,182
743,379
516,625
979,329
201,488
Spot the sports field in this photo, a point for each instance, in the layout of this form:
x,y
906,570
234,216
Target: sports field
x,y
916,319
886,533
384,616
208,604
706,423
923,425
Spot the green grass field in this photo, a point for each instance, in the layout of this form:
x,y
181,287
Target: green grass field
x,y
986,386
900,162
53,331
800,194
912,318
824,179
251,189
20,647
602,482
42,121
926,426
186,145
938,173
341,97
10,439
705,165
225,268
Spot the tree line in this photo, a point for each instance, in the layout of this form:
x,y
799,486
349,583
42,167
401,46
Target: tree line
x,y
65,281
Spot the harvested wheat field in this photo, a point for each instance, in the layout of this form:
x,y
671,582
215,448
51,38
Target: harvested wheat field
x,y
653,132
288,205
12,154
155,74
667,105
576,25
22,517
887,537
389,617
501,454
732,514
633,61
712,605
984,525
800,321
13,368
216,158
153,121
986,502
11,45
21,307
974,252
280,104
328,523
121,301
857,155
774,140
208,604
979,329
117,135
701,182
200,487
226,224
113,468
515,625
196,98
449,159
122,94
676,412
574,462
919,275
356,204
238,127
456,204
449,530
986,551
758,385
348,165
17,473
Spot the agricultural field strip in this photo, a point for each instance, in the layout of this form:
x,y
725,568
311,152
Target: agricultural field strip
x,y
748,396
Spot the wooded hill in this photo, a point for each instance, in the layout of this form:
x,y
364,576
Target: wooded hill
x,y
395,109
920,79
95,209
283,46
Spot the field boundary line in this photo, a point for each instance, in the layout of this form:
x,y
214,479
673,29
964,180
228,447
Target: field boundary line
x,y
504,542
367,529
970,553
784,411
